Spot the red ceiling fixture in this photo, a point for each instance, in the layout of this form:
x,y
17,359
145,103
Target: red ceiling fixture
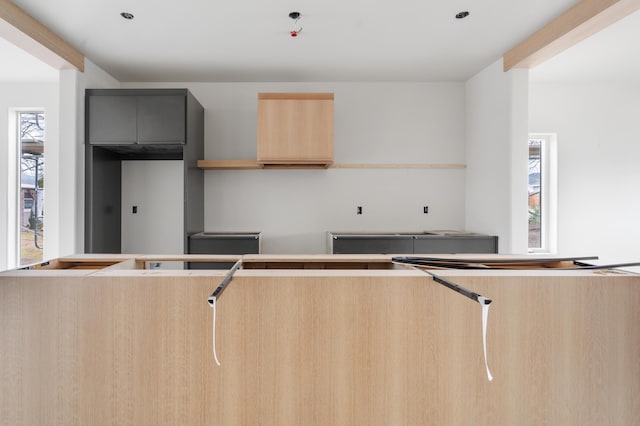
x,y
297,29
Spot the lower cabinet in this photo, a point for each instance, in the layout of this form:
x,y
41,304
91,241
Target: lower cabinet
x,y
431,243
222,243
455,244
375,244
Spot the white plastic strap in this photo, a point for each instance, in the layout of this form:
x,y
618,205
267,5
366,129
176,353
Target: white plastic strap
x,y
215,355
485,318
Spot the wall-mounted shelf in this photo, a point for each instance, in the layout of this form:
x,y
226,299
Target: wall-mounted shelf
x,y
229,164
254,165
397,166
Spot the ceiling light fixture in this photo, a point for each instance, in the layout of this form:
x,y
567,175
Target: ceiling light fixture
x,y
462,15
297,29
127,15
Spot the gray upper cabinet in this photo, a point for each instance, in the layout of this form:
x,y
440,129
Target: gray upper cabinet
x,y
161,119
128,118
112,120
138,124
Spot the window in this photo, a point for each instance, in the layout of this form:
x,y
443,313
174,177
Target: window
x,y
30,216
542,190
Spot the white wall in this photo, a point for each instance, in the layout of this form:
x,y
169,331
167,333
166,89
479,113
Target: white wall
x,y
496,156
72,86
156,189
29,96
374,123
598,164
63,102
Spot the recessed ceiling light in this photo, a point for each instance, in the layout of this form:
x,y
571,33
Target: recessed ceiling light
x,y
127,15
462,15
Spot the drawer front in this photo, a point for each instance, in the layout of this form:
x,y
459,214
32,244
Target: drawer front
x,y
249,245
373,245
449,245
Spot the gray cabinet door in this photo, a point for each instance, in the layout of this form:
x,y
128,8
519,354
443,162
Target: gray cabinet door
x,y
224,245
161,119
373,244
221,245
457,244
112,120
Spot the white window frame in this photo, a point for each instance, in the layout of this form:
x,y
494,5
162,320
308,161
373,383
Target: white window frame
x,y
14,253
548,193
13,193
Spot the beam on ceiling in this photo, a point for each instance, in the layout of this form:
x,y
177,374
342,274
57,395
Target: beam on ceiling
x,y
21,29
576,24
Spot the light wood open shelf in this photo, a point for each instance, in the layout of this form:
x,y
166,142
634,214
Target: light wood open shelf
x,y
229,164
254,165
397,166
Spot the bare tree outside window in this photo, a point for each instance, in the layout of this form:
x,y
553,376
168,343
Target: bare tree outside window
x,y
535,194
543,193
31,138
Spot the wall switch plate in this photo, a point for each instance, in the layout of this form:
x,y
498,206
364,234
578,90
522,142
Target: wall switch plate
x,y
359,210
425,210
134,209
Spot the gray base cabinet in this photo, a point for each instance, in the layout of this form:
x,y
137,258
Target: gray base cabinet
x,y
405,243
372,244
222,243
455,244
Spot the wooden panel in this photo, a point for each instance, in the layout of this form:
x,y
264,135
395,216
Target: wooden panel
x,y
319,350
37,39
229,164
301,96
295,131
253,165
396,166
576,24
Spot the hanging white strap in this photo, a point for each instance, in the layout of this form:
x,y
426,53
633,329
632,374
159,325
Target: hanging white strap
x,y
485,318
213,305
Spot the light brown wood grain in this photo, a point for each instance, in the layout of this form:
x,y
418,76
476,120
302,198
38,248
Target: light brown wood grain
x,y
296,95
396,166
229,165
37,39
254,165
584,19
319,348
295,130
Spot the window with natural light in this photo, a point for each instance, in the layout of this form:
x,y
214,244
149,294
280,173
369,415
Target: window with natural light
x,y
542,189
31,127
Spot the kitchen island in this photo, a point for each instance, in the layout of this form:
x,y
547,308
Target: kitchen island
x,y
315,340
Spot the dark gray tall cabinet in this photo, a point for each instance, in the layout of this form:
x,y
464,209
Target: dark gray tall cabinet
x,y
138,124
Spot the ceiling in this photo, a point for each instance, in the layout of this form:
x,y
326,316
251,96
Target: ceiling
x,y
408,40
612,54
356,40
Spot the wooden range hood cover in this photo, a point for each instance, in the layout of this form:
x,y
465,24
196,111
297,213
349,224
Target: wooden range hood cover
x,y
295,130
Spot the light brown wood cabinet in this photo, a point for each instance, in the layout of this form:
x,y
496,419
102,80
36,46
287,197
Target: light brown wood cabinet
x,y
339,340
295,129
